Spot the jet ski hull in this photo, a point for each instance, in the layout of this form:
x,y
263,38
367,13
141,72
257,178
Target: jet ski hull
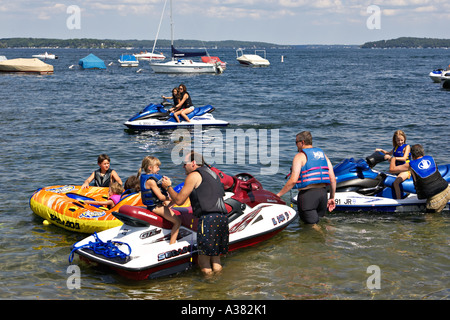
x,y
155,117
360,188
151,254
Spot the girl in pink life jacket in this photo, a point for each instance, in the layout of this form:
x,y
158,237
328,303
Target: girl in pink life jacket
x,y
115,190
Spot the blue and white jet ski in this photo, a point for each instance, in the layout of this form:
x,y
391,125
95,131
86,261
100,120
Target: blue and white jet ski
x,y
156,117
361,188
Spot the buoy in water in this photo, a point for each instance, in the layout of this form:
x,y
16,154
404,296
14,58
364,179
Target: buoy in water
x,y
45,222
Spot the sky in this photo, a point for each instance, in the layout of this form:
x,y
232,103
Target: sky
x,y
284,22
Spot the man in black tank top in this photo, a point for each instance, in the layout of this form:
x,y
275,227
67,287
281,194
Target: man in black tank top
x,y
204,189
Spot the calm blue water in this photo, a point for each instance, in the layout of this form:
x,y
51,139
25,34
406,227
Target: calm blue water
x,y
53,128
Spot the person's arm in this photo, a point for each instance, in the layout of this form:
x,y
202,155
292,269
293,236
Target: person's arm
x,y
331,204
192,180
151,184
397,169
108,203
88,180
116,178
297,164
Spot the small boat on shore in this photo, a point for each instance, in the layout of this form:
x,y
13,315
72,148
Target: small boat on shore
x,y
24,65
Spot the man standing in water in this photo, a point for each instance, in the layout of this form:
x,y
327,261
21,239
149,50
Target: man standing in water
x,y
311,173
205,191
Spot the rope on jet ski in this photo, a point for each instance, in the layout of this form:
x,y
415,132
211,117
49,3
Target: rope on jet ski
x,y
107,249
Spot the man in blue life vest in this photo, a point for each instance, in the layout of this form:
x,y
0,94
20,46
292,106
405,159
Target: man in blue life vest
x,y
427,179
311,173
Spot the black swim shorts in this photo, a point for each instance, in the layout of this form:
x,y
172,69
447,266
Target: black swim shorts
x,y
212,234
312,204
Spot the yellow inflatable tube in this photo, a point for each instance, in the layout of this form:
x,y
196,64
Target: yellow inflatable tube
x,y
64,206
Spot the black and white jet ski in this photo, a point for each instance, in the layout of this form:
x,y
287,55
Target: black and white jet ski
x,y
361,188
156,117
140,249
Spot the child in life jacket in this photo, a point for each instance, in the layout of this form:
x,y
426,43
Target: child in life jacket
x,y
401,153
115,190
104,175
154,196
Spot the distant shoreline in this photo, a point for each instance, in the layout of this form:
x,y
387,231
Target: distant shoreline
x,y
408,42
85,43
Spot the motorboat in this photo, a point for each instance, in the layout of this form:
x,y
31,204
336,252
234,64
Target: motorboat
x,y
361,188
252,60
147,56
128,60
181,63
436,74
23,65
156,117
186,66
45,56
214,60
140,249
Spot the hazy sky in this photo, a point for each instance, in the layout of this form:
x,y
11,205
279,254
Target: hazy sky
x,y
275,21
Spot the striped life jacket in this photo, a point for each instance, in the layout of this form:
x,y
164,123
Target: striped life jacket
x,y
315,170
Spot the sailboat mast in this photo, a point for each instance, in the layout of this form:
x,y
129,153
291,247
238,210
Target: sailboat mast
x,y
171,24
159,27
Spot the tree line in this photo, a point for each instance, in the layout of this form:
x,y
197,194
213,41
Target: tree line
x,y
107,43
408,42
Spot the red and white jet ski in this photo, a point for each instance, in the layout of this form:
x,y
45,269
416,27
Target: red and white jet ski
x,y
140,249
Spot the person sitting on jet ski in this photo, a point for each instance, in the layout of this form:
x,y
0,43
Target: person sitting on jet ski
x,y
427,179
154,196
185,105
401,154
176,99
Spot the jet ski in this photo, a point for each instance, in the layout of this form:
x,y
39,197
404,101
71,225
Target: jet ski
x,y
361,188
156,117
140,249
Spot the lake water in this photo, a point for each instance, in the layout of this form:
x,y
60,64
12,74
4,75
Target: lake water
x,y
53,128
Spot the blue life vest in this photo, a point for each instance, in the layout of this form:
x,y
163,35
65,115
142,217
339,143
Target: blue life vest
x,y
427,178
315,170
148,198
400,152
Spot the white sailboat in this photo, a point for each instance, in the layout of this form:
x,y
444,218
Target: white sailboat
x,y
179,63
